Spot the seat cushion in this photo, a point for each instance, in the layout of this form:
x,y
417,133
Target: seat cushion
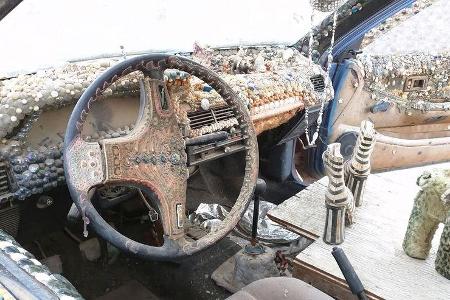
x,y
279,288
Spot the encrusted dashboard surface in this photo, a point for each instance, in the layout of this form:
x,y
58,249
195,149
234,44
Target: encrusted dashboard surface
x,y
412,82
406,64
274,82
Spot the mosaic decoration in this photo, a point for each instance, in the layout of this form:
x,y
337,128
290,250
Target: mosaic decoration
x,y
59,285
52,89
325,5
34,170
413,82
431,207
267,94
322,32
259,75
274,83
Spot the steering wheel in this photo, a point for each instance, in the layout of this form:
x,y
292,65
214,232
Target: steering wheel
x,y
151,157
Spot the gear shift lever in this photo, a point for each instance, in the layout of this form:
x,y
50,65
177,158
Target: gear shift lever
x,y
255,248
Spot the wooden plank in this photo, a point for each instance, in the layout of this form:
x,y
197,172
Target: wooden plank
x,y
302,213
305,212
297,213
373,244
327,283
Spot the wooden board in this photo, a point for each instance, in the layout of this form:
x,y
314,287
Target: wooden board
x,y
373,244
298,215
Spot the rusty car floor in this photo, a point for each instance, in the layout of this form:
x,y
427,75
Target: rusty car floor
x,y
188,279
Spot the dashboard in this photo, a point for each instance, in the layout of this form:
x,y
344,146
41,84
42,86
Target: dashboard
x,y
275,83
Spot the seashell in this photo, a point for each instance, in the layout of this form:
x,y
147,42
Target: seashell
x,y
205,105
259,64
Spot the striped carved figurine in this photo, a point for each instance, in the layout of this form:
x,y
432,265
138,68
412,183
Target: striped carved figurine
x,y
357,169
337,197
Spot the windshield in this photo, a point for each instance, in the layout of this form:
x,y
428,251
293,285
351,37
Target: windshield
x,y
432,36
44,33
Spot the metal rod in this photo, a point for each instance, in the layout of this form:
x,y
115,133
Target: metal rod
x,y
349,273
207,138
255,220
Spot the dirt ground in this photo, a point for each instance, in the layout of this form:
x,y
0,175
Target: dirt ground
x,y
188,279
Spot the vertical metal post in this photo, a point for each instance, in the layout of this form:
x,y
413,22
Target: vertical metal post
x,y
255,220
255,248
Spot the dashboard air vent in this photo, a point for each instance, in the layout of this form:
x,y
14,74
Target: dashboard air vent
x,y
10,219
5,187
318,82
202,118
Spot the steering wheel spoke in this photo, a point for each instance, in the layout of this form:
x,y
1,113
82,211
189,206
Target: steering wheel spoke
x,y
84,163
153,155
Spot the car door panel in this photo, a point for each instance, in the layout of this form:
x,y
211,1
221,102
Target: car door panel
x,y
412,125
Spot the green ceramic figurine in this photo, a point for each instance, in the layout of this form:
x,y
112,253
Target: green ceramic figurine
x,y
431,207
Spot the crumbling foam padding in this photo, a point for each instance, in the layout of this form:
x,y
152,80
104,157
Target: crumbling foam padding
x,y
243,269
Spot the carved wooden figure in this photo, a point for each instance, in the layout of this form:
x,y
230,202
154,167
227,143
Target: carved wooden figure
x,y
358,168
431,207
338,199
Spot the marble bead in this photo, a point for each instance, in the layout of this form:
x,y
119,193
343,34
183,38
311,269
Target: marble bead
x,y
31,157
27,175
33,168
19,160
49,162
20,168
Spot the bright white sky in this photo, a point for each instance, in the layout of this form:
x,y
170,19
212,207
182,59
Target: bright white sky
x,y
428,31
48,32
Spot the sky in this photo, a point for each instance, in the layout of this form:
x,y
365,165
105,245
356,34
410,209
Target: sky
x,y
45,33
428,32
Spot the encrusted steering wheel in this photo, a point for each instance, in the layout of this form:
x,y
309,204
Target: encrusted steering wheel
x,y
152,157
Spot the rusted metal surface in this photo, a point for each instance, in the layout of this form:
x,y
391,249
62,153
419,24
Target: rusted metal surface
x,y
251,157
85,164
153,156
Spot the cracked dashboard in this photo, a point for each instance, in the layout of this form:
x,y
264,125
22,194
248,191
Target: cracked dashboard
x,y
274,82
